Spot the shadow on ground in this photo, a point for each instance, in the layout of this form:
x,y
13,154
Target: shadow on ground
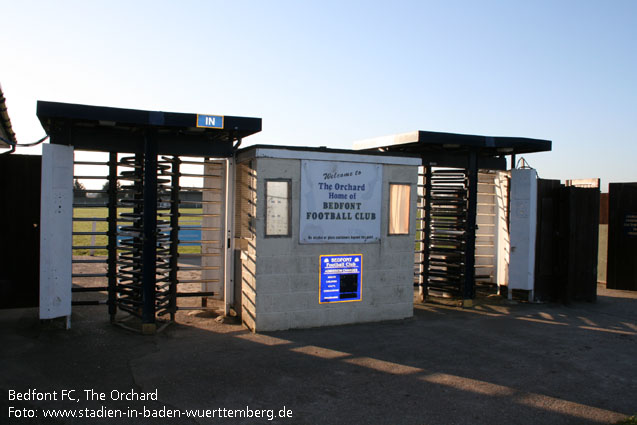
x,y
496,363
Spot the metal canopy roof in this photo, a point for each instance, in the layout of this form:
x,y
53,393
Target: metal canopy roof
x,y
451,149
125,130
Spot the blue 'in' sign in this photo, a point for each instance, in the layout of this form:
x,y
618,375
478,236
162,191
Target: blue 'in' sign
x,y
210,121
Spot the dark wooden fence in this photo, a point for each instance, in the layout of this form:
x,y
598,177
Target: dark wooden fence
x,y
20,232
622,236
567,242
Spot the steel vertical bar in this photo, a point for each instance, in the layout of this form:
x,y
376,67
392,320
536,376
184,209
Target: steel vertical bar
x,y
427,233
112,235
229,283
149,245
470,247
174,234
138,185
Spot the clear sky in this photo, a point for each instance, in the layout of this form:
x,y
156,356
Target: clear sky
x,y
327,73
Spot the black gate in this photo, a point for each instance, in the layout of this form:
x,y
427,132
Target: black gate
x,y
20,235
622,236
566,242
443,242
548,268
141,192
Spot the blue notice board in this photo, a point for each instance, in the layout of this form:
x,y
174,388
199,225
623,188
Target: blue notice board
x,y
210,121
341,278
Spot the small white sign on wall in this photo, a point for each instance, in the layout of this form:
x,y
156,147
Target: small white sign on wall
x,y
340,202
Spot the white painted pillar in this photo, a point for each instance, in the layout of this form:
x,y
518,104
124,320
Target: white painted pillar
x,y
523,230
56,232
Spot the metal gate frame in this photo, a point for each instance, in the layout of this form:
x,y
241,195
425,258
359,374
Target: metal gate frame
x,y
147,275
128,270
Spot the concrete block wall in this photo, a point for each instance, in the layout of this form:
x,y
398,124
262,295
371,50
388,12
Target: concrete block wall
x,y
285,288
502,227
245,244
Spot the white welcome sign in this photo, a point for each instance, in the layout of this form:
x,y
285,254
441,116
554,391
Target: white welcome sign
x,y
340,202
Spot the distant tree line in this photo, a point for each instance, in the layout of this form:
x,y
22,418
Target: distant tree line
x,y
79,190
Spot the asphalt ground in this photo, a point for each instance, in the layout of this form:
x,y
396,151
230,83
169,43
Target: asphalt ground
x,y
495,363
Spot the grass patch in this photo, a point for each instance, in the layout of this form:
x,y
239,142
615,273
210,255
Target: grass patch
x,y
102,226
632,420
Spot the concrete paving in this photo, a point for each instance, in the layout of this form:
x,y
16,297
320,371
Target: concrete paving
x,y
495,363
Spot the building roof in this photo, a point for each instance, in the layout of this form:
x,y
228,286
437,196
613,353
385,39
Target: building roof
x,y
6,131
106,129
325,154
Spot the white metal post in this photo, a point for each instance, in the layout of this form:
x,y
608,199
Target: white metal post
x,y
56,232
229,246
522,230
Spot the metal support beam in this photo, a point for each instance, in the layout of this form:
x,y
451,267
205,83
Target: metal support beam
x,y
149,253
229,245
112,235
426,233
470,243
174,234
